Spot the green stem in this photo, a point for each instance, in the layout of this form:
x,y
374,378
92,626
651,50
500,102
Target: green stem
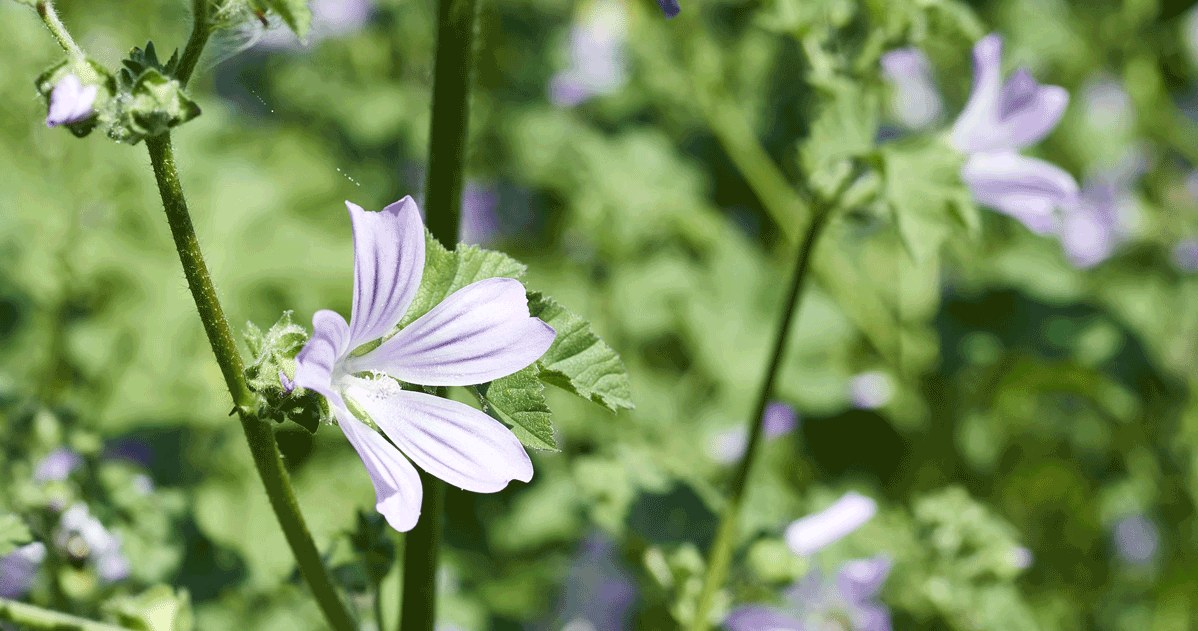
x,y
258,432
201,30
59,30
37,619
721,550
420,559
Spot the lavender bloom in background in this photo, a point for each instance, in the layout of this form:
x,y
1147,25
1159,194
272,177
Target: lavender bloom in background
x,y
849,601
19,568
330,19
599,592
57,466
82,536
812,533
779,419
480,223
1106,105
479,333
597,64
999,119
870,390
1095,222
1185,255
1022,558
669,7
916,102
71,102
1137,540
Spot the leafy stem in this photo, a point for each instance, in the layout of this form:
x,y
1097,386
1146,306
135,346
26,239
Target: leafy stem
x,y
258,432
35,618
49,16
201,30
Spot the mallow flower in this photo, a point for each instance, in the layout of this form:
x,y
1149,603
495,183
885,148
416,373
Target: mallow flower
x,y
18,569
597,64
479,333
1001,118
71,101
812,533
915,100
82,536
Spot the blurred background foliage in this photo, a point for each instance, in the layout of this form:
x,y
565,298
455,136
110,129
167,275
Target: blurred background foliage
x,y
1029,427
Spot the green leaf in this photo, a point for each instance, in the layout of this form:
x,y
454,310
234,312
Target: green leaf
x,y
13,533
846,127
159,608
295,13
446,272
518,400
578,361
925,193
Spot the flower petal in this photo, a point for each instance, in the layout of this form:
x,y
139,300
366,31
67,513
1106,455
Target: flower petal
x,y
1027,189
973,128
388,264
397,485
70,101
315,363
480,333
812,533
1028,111
450,440
761,618
861,579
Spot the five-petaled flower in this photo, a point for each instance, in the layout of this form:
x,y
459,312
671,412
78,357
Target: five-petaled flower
x,y
1001,118
71,102
480,333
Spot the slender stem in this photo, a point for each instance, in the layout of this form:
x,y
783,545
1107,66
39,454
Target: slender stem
x,y
378,606
201,30
258,432
421,554
721,550
45,9
37,619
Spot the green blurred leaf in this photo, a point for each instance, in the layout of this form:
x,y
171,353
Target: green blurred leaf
x,y
159,608
924,190
13,533
295,13
578,361
518,400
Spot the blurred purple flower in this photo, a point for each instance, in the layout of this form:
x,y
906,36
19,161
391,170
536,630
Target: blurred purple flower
x,y
916,101
870,390
71,102
999,119
57,465
480,224
1185,255
778,420
812,533
848,601
82,536
599,591
597,64
479,333
1095,222
669,7
19,568
1137,539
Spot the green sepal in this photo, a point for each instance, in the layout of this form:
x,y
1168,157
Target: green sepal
x,y
90,72
273,353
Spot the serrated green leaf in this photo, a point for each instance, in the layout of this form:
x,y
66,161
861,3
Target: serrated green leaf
x,y
925,193
578,361
295,13
846,127
13,533
446,272
518,400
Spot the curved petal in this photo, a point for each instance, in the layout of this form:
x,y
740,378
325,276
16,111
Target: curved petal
x,y
396,484
70,102
812,533
1027,189
388,264
450,440
973,128
1028,111
761,618
861,579
480,333
316,362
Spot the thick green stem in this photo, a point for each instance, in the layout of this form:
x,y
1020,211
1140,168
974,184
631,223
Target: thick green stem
x,y
721,550
421,554
59,30
33,618
258,432
201,30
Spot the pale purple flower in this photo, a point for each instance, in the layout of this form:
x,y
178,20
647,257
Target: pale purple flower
x,y
848,601
19,568
599,590
669,7
1185,255
57,465
870,390
597,64
82,536
916,102
479,333
812,533
999,119
778,420
1022,558
71,101
1095,222
1137,539
480,223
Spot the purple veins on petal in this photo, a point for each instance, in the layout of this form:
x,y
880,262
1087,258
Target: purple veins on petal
x,y
815,532
1027,189
71,101
388,265
57,465
18,569
396,484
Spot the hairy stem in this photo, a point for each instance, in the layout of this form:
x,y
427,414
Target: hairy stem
x,y
45,9
721,550
201,30
35,618
258,432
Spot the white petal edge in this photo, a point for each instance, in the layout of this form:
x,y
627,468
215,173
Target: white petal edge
x,y
815,532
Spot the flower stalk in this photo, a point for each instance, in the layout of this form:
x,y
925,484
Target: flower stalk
x,y
201,30
49,16
34,618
